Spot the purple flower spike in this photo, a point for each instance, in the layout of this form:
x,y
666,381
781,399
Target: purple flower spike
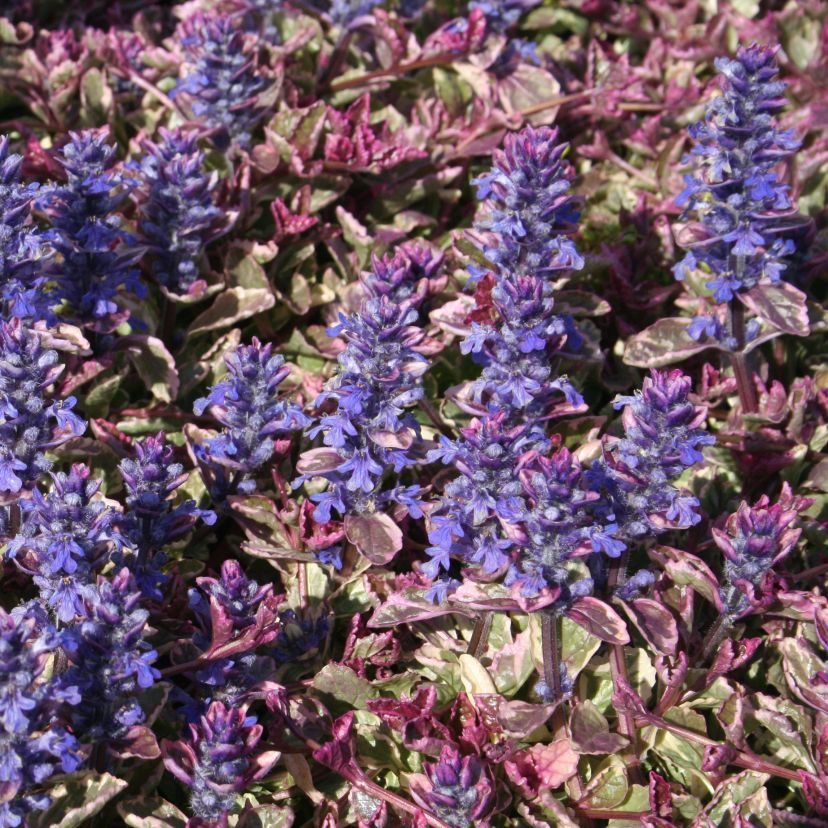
x,y
406,276
248,405
734,190
753,540
663,437
111,662
30,425
220,79
233,608
25,253
530,207
218,761
367,428
150,521
66,536
559,521
179,216
457,789
99,257
33,744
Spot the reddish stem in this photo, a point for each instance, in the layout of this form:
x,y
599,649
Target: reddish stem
x,y
618,670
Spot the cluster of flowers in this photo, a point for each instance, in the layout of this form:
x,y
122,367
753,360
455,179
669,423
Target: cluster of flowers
x,y
366,428
80,264
735,191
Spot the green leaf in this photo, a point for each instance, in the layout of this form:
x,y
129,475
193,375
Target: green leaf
x,y
663,343
344,685
742,795
76,799
800,665
138,812
266,816
578,646
231,307
590,732
474,676
608,788
154,364
96,98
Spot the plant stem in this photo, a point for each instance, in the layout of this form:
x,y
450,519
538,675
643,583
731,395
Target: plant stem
x,y
741,758
618,669
550,648
392,71
480,634
739,360
722,626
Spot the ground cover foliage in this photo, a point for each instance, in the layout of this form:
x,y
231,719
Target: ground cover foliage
x,y
413,413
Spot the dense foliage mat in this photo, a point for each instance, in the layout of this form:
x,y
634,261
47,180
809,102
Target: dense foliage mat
x,y
413,413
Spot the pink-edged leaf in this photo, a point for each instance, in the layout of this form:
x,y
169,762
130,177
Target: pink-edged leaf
x,y
801,666
393,439
76,799
781,305
266,816
139,742
599,619
686,569
542,766
150,812
517,718
493,596
655,622
451,317
590,732
663,343
376,536
221,624
230,307
338,753
318,461
405,608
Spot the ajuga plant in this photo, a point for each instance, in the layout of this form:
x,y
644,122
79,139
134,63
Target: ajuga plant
x,y
739,201
32,421
178,214
529,215
66,536
25,252
753,540
35,743
281,161
254,415
111,662
151,521
240,610
97,255
365,424
220,80
219,760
